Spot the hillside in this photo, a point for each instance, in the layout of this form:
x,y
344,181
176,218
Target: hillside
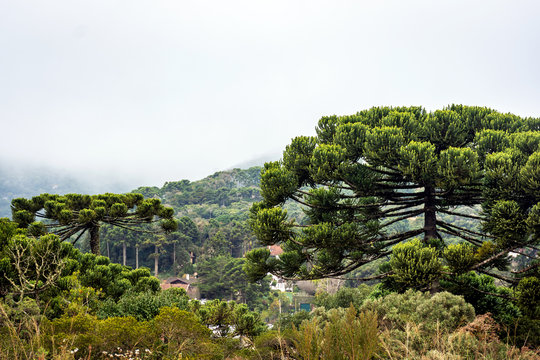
x,y
212,213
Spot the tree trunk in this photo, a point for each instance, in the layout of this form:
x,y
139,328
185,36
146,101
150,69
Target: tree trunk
x,y
108,249
430,214
430,226
156,261
124,253
136,256
94,239
174,254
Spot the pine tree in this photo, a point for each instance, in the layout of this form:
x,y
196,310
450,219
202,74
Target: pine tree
x,y
364,174
75,214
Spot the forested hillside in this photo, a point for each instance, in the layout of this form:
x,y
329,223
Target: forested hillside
x,y
212,214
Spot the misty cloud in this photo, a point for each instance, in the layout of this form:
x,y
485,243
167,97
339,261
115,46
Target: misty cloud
x,y
145,92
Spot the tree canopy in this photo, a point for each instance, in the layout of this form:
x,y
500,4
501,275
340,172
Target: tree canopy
x,y
366,179
75,214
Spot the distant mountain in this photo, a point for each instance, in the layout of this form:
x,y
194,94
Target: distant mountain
x,y
221,189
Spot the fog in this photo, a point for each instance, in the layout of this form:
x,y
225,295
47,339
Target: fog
x,y
143,92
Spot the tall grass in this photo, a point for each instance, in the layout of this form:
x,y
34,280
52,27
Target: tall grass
x,y
23,339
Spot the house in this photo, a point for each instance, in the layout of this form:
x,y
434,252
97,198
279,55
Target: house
x,y
278,283
275,250
183,283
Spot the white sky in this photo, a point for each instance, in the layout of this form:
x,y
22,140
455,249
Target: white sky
x,y
151,91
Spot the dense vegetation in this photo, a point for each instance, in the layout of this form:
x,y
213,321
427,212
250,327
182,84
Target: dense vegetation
x,y
426,222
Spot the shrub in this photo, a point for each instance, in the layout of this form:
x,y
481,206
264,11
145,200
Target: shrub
x,y
338,335
442,310
144,306
183,334
344,297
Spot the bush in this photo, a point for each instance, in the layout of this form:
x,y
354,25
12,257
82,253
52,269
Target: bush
x,y
183,334
287,321
442,310
344,335
272,345
173,333
144,306
468,284
344,297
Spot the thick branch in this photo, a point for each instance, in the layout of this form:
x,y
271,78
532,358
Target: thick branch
x,y
500,277
410,214
462,215
402,236
439,222
526,269
369,278
491,258
449,231
481,291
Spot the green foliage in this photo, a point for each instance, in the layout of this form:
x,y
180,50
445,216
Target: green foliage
x,y
224,278
344,298
32,266
183,334
345,335
481,292
256,265
144,305
370,182
442,309
414,265
459,257
507,223
418,160
76,214
294,320
529,296
173,333
229,318
55,274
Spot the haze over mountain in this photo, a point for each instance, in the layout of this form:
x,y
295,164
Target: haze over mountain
x,y
148,92
24,180
27,180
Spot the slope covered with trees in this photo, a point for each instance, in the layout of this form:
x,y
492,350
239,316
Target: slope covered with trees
x,y
212,215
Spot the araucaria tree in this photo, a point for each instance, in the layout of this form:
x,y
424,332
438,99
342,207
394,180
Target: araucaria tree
x,y
74,214
365,177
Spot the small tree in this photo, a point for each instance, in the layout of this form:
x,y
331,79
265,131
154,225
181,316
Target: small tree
x,y
75,214
32,266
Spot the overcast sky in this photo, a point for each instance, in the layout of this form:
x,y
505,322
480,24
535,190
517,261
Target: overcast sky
x,y
151,91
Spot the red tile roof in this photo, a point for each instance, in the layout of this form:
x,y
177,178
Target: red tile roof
x,y
275,250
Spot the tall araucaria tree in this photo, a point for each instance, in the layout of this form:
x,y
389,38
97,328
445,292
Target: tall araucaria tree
x,y
74,214
364,173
